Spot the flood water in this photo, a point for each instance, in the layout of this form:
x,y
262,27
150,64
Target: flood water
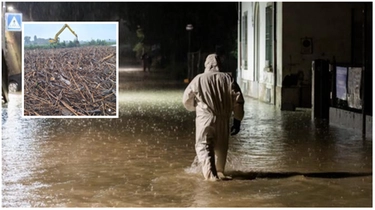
x,y
143,158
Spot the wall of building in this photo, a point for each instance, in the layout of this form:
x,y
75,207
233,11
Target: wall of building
x,y
279,53
350,120
328,25
256,80
329,28
246,80
266,77
247,7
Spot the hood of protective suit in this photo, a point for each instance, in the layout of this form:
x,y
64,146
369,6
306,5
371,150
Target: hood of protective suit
x,y
211,64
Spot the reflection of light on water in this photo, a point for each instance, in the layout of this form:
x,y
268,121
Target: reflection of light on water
x,y
149,98
153,105
129,69
19,150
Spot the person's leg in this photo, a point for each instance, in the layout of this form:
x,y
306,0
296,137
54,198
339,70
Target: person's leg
x,y
204,147
206,156
221,147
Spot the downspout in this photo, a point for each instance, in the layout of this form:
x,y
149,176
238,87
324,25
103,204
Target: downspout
x,y
239,43
274,53
364,71
256,42
4,77
352,31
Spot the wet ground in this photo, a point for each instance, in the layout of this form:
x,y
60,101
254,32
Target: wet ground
x,y
143,158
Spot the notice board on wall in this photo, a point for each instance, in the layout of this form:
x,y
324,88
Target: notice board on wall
x,y
341,82
354,87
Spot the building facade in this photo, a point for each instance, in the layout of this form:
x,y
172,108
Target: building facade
x,y
282,47
280,39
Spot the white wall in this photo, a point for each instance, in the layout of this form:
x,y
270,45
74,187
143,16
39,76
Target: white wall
x,y
263,76
248,73
257,81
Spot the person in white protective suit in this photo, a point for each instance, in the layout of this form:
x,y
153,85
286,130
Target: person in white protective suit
x,y
214,96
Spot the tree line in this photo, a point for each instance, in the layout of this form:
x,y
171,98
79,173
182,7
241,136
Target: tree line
x,y
66,44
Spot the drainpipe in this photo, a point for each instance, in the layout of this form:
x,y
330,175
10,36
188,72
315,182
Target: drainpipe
x,y
239,43
4,81
364,70
274,53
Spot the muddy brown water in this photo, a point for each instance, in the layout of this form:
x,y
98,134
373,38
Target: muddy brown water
x,y
143,158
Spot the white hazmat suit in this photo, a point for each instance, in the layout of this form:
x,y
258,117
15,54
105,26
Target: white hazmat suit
x,y
214,96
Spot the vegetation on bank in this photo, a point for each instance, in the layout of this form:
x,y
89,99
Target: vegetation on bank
x,y
69,44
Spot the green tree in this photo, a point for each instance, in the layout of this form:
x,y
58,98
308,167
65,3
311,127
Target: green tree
x,y
71,44
92,42
27,40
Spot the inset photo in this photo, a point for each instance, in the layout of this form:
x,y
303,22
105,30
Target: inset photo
x,y
70,69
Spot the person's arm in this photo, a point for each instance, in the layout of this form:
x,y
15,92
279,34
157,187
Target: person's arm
x,y
238,101
238,108
188,99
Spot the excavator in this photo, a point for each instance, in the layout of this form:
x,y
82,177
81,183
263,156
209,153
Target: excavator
x,y
55,40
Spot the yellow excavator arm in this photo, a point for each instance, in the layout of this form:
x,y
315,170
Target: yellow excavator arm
x,y
61,30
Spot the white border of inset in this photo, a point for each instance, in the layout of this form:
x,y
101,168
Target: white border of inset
x,y
72,23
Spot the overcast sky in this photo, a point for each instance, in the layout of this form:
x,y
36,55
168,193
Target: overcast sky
x,y
85,30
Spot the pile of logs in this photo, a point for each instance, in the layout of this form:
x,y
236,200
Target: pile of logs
x,y
77,81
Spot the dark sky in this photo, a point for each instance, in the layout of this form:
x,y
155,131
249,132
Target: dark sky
x,y
164,23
